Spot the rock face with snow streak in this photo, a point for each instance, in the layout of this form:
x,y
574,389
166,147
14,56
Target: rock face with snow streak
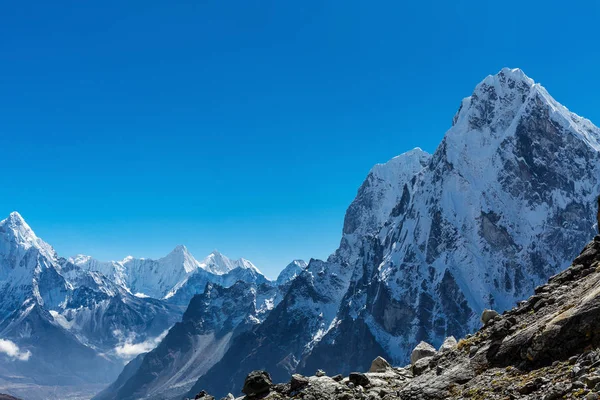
x,y
291,271
430,241
213,319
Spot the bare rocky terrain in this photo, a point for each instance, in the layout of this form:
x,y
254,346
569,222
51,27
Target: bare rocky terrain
x,y
547,347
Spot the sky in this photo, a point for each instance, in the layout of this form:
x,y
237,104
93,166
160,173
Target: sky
x,y
127,128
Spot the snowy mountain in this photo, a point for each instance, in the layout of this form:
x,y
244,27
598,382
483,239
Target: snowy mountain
x,y
176,277
291,271
67,324
212,320
505,201
74,322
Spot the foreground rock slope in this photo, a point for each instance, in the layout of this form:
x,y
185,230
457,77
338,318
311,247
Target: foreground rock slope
x,y
547,347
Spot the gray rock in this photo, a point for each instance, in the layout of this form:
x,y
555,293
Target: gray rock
x,y
449,344
422,350
359,379
320,373
421,365
380,364
257,382
203,396
488,315
298,382
591,380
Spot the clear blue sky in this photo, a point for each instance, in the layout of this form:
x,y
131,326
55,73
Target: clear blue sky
x,y
247,126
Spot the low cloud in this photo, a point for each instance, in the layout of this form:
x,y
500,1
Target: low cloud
x,y
12,350
129,349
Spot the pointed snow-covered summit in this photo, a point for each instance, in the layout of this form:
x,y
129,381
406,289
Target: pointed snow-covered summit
x,y
181,256
219,264
291,271
15,232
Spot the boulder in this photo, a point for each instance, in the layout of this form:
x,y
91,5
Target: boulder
x,y
449,343
203,396
488,315
358,378
320,373
421,365
380,365
422,350
298,382
257,382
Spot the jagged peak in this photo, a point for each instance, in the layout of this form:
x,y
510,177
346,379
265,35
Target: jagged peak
x,y
506,77
411,160
499,99
23,235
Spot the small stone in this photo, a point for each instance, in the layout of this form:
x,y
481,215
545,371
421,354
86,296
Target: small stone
x,y
577,385
380,365
298,382
229,397
320,373
351,385
257,382
528,388
591,380
488,315
473,350
359,378
592,396
573,360
337,378
422,350
203,396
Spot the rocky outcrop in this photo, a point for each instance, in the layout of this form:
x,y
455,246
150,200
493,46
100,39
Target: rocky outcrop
x,y
547,347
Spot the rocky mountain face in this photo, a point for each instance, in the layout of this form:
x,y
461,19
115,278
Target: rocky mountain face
x,y
211,322
430,241
546,348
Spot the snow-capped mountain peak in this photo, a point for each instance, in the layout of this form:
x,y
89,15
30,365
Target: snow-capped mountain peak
x,y
291,271
181,256
16,231
217,263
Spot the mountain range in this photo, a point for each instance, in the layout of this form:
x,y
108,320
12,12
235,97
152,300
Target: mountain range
x,y
70,324
431,240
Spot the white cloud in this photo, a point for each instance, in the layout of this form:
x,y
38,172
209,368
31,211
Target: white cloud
x,y
129,349
12,350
